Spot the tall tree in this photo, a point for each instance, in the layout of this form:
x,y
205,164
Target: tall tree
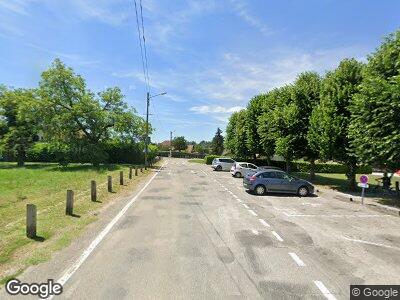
x,y
217,143
253,112
329,130
375,126
230,136
179,143
265,128
279,124
77,117
19,125
306,95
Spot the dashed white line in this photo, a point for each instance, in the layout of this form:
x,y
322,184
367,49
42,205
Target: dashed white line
x,y
264,223
234,196
252,212
297,259
245,206
324,290
255,232
278,237
238,200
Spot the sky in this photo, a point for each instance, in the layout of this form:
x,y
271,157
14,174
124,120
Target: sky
x,y
210,56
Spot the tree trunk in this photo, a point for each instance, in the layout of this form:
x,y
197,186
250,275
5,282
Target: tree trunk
x,y
312,170
351,175
287,165
255,158
21,158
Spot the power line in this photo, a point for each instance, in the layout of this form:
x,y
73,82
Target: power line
x,y
141,49
144,45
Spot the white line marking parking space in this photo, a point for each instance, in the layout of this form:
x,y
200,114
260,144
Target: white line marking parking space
x,y
324,290
255,232
252,212
298,261
69,272
245,206
264,223
278,237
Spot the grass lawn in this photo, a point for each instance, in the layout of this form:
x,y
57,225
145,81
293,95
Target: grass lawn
x,y
339,182
198,161
45,185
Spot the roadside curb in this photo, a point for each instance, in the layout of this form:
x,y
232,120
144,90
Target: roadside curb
x,y
344,197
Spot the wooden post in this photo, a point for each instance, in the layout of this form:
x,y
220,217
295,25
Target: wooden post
x,y
31,221
121,177
69,210
109,185
136,171
93,190
130,172
397,188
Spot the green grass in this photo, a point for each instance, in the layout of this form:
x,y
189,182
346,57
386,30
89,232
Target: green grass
x,y
195,160
339,182
45,185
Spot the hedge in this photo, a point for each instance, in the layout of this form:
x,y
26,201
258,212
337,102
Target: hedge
x,y
209,158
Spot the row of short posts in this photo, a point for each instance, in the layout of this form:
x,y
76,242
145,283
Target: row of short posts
x,y
31,211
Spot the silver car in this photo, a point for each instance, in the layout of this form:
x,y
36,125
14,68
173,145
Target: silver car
x,y
222,164
240,169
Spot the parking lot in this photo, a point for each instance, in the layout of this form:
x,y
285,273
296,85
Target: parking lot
x,y
196,233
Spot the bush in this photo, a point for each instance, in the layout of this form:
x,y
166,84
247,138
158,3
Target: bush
x,y
209,158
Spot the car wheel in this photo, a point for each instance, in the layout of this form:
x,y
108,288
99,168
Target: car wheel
x,y
302,191
260,190
238,175
218,168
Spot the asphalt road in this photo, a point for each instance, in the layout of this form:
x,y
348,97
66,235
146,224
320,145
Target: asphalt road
x,y
194,233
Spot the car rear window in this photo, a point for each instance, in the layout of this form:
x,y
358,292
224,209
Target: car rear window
x,y
243,165
227,160
268,175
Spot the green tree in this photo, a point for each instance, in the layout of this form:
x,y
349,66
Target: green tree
x,y
19,126
329,130
281,124
375,125
179,143
217,143
253,112
75,116
306,95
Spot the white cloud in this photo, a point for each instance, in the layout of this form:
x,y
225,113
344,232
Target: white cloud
x,y
240,7
206,109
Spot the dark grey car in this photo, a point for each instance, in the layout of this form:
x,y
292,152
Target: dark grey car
x,y
275,181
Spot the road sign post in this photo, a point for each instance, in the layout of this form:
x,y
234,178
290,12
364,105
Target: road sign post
x,y
364,185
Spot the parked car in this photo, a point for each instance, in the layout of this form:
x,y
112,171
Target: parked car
x,y
222,164
254,171
239,169
276,181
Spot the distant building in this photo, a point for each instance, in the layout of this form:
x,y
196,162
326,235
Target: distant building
x,y
190,148
165,145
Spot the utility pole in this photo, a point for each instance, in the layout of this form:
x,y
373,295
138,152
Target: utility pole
x,y
170,144
146,141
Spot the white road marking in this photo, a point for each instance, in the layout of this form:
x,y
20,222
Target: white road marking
x,y
278,237
324,290
298,261
369,243
234,196
245,205
252,212
69,272
255,232
264,223
333,216
238,200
